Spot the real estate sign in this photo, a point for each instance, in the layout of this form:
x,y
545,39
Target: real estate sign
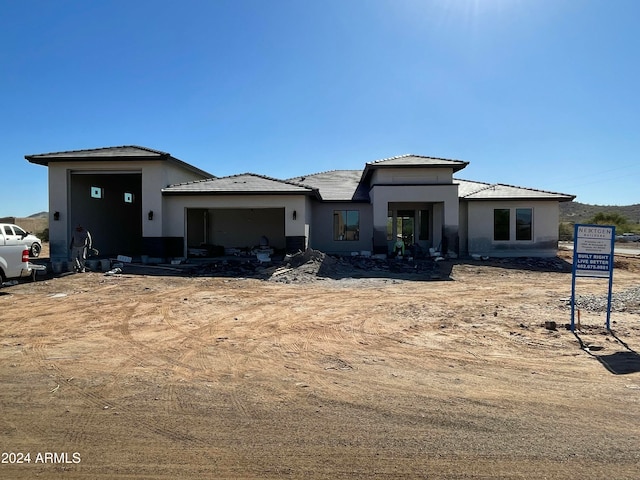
x,y
592,257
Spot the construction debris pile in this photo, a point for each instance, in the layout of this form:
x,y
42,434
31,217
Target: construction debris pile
x,y
312,265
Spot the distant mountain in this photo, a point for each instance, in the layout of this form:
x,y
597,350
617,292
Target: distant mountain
x,y
39,215
576,212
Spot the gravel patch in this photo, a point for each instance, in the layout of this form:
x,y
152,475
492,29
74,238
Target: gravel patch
x,y
625,301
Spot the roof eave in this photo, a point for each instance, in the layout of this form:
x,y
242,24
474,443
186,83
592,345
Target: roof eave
x,y
239,193
568,198
457,166
41,159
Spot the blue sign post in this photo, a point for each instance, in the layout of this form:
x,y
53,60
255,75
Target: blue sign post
x,y
592,257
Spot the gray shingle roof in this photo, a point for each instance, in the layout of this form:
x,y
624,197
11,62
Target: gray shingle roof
x,y
97,153
337,185
241,184
470,190
121,153
410,160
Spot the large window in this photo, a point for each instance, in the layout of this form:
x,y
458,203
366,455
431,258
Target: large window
x,y
524,224
408,224
346,225
501,225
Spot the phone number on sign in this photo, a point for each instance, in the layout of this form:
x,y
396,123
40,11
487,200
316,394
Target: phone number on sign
x,y
40,457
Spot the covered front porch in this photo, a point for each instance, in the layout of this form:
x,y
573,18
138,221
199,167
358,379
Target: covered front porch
x,y
423,217
413,224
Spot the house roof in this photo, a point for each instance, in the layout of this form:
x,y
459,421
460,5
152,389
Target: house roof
x,y
470,190
121,153
241,184
416,161
337,185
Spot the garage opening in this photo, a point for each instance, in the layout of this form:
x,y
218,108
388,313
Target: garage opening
x,y
109,205
221,230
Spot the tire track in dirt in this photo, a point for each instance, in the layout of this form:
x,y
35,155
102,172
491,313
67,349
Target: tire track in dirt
x,y
207,349
34,355
212,346
100,404
301,340
78,424
191,352
142,351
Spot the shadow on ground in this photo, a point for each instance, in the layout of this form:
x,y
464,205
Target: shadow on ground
x,y
532,264
618,363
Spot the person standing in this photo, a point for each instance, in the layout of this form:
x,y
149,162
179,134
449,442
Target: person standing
x,y
81,242
398,247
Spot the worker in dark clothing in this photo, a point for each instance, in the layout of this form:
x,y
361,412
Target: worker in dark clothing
x,y
81,243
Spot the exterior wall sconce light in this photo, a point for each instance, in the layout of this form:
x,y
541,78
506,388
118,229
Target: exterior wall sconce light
x,y
294,215
150,215
56,216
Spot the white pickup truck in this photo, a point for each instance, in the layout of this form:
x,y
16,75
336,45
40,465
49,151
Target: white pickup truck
x,y
14,261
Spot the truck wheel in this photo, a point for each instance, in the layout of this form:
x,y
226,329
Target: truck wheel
x,y
35,250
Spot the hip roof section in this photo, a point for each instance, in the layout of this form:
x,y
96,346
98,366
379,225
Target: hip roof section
x,y
470,190
337,185
242,184
122,153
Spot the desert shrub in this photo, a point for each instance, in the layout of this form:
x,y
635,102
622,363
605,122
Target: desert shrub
x,y
565,231
44,235
610,218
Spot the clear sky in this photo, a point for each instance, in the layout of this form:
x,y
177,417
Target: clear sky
x,y
535,93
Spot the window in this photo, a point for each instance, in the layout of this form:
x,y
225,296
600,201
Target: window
x,y
424,225
346,225
524,230
402,224
96,192
523,225
405,225
501,225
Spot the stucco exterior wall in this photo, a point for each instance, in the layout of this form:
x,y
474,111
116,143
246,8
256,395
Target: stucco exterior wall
x,y
155,175
463,228
158,175
545,229
411,176
58,202
445,210
175,207
322,228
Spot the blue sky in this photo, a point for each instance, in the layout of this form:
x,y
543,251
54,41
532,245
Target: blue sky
x,y
535,93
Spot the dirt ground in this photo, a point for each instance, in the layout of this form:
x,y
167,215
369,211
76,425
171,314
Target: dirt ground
x,y
153,374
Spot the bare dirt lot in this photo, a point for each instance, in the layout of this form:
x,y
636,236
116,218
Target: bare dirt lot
x,y
142,375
